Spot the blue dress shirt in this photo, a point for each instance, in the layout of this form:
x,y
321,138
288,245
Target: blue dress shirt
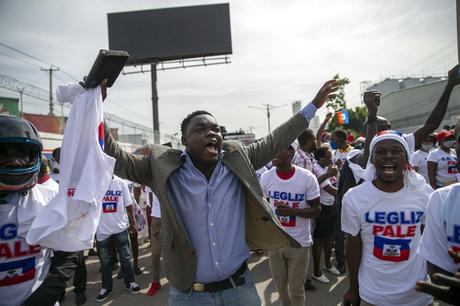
x,y
214,215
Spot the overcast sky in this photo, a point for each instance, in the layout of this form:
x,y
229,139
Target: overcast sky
x,y
283,50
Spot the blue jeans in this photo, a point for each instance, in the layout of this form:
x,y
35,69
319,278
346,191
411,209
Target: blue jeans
x,y
104,251
245,294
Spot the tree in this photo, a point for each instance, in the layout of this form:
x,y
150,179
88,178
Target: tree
x,y
356,116
339,101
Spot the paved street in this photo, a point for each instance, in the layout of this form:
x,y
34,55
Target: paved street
x,y
326,295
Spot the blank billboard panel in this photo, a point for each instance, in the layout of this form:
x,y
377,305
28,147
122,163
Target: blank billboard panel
x,y
172,33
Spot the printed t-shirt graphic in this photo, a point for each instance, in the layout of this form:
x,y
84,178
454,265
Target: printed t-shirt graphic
x,y
293,192
389,225
114,218
23,267
442,230
447,162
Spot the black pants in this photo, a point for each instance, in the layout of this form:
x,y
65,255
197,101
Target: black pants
x,y
62,266
80,277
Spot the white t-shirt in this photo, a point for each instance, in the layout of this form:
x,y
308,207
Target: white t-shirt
x,y
114,218
410,139
130,187
442,228
294,192
146,190
55,176
23,267
341,154
389,224
49,189
446,165
261,171
156,211
419,159
326,198
303,160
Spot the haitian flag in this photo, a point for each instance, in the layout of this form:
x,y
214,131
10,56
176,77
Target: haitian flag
x,y
287,221
15,272
395,250
342,117
109,207
100,134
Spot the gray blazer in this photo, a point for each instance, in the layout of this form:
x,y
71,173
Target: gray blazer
x,y
263,230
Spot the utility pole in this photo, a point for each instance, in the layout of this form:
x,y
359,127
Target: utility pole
x,y
50,71
156,120
20,100
268,108
457,4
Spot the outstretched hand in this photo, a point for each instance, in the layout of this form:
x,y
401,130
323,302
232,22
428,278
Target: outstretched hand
x,y
326,93
449,288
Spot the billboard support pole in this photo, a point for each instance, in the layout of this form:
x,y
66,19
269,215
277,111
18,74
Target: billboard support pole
x,y
156,122
458,29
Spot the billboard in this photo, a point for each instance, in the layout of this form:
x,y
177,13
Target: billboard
x,y
171,33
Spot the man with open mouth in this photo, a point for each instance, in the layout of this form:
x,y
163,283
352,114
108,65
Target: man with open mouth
x,y
382,218
212,207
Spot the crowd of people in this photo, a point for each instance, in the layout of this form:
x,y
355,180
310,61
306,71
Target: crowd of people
x,y
385,202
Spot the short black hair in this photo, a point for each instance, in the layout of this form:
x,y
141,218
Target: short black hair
x,y
432,137
304,137
186,121
320,152
56,153
340,133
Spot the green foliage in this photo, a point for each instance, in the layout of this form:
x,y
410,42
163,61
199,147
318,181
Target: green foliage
x,y
339,101
356,115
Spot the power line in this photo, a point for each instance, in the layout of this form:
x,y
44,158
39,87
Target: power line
x,y
430,57
18,59
26,54
41,94
40,60
59,69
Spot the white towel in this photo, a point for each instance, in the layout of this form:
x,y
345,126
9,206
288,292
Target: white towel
x,y
69,221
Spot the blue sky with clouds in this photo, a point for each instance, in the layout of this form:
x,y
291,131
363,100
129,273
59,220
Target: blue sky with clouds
x,y
282,51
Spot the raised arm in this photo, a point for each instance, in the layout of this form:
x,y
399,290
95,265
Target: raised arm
x,y
261,152
437,114
372,102
432,169
322,127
